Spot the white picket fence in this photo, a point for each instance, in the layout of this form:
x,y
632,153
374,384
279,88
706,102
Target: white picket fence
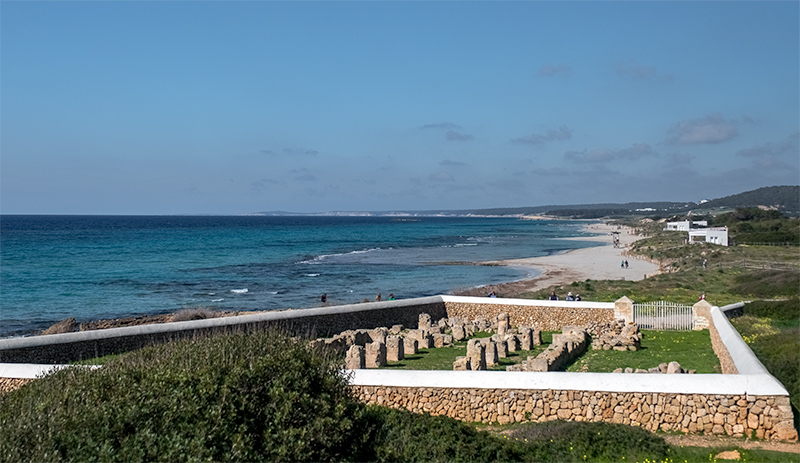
x,y
662,315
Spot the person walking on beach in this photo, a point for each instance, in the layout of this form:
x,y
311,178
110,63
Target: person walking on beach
x,y
622,264
626,263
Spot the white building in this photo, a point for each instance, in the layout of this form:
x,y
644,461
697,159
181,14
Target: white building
x,y
709,235
685,225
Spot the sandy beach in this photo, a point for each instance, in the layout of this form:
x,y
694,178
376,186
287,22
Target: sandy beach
x,y
596,263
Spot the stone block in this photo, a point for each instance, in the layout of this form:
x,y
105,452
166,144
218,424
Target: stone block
x,y
396,329
394,349
673,368
354,360
379,334
459,334
502,349
461,364
375,355
424,321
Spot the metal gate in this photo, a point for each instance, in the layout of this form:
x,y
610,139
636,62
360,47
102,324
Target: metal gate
x,y
662,315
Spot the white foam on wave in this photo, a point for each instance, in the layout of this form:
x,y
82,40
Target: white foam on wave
x,y
217,300
312,274
318,259
240,291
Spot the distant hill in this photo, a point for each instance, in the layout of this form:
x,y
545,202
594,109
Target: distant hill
x,y
784,198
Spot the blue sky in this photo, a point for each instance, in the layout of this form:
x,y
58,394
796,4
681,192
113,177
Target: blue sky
x,y
235,107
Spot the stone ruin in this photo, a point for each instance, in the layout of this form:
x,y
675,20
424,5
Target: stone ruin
x,y
615,335
571,343
483,353
373,348
664,368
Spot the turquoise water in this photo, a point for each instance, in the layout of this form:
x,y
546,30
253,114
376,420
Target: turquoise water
x,y
95,267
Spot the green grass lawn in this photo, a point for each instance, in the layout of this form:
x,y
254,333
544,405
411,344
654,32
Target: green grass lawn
x,y
442,358
692,349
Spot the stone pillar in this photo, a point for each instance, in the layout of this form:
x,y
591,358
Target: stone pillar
x,y
394,349
355,358
537,337
623,309
502,324
375,356
476,354
525,338
410,346
701,315
491,354
513,343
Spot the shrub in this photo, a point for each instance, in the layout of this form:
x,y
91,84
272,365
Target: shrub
x,y
399,435
243,397
571,441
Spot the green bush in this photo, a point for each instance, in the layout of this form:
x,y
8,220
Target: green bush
x,y
243,397
399,435
570,441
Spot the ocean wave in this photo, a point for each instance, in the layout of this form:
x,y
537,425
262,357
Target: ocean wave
x,y
240,291
318,259
312,274
217,300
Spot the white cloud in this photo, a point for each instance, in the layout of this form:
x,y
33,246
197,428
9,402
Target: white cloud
x,y
452,135
710,129
562,133
634,152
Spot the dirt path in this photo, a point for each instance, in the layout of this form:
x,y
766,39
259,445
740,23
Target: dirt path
x,y
701,440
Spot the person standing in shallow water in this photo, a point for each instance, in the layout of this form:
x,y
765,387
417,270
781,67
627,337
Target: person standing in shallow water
x,y
324,298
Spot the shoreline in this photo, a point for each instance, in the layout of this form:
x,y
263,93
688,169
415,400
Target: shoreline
x,y
594,263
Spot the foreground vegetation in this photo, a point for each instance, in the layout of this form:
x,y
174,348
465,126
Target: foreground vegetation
x,y
268,397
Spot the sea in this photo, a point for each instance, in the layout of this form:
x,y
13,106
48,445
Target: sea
x,y
104,267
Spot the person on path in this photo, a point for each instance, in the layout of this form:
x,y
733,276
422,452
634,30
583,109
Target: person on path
x,y
626,263
391,296
324,298
378,297
553,296
577,297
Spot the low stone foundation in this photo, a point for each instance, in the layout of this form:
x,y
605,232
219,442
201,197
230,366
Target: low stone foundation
x,y
766,417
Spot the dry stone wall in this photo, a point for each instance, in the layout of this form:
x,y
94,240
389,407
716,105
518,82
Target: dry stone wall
x,y
766,417
541,317
702,310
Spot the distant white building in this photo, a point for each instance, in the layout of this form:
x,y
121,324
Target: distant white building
x,y
685,225
709,235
